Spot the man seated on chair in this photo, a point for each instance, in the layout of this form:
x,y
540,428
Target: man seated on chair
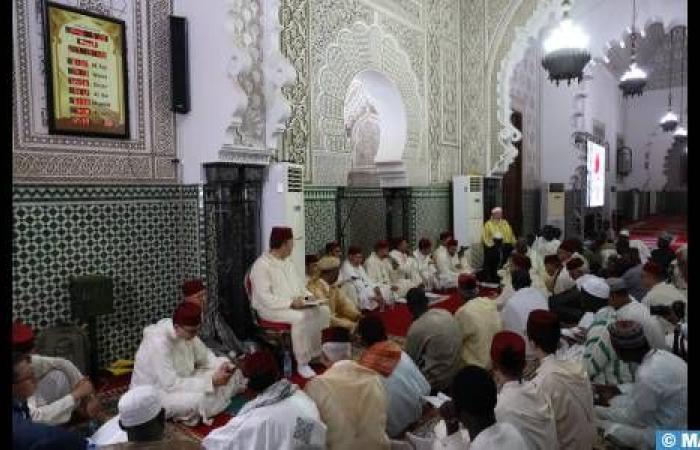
x,y
60,388
281,416
426,264
344,313
351,398
278,295
357,285
379,268
141,418
405,273
191,381
448,264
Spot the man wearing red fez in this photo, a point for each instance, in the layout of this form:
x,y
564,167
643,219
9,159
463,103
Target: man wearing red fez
x,y
564,382
661,293
193,384
380,270
278,294
426,264
448,264
195,292
519,402
271,420
58,388
479,320
356,283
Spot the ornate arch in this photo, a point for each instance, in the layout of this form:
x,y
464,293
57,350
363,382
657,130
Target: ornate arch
x,y
359,48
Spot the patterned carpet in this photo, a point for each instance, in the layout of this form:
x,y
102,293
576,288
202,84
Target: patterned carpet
x,y
648,230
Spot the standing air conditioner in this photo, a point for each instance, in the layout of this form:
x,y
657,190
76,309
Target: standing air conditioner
x,y
283,205
467,208
553,211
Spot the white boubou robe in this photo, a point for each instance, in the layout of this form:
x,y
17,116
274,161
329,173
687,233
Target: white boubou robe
x,y
564,282
274,284
564,382
517,309
380,272
529,411
658,399
407,275
52,403
181,371
639,313
293,423
545,248
357,285
447,270
664,294
426,269
501,436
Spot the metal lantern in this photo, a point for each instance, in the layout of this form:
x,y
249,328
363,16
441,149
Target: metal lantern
x,y
566,52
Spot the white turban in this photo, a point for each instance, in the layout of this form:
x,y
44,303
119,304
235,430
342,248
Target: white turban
x,y
595,286
138,406
336,351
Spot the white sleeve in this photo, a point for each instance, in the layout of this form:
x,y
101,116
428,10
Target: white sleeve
x,y
169,380
41,365
263,294
442,262
454,441
56,413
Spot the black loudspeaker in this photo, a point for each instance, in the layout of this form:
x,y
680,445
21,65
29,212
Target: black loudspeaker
x,y
180,65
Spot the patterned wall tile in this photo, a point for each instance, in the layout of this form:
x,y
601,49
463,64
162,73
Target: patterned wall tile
x,y
432,211
365,213
319,221
145,238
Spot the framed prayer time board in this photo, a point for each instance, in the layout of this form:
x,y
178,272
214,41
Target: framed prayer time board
x,y
86,73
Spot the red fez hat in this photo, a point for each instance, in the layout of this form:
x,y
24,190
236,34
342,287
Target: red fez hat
x,y
191,287
445,234
22,336
467,281
187,314
424,243
452,243
381,244
653,268
335,334
552,259
281,234
520,261
259,363
569,245
354,250
541,322
573,264
311,259
507,340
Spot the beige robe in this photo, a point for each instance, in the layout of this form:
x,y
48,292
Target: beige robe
x,y
352,402
480,321
528,410
344,313
565,384
275,284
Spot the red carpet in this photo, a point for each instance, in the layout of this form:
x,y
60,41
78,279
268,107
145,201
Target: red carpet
x,y
648,230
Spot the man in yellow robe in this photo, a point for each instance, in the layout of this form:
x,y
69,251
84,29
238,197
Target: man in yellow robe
x,y
498,239
323,286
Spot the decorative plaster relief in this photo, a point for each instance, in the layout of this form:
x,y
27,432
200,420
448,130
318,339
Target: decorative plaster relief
x,y
40,157
407,10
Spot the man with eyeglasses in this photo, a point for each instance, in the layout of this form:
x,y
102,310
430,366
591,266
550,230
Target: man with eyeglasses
x,y
192,382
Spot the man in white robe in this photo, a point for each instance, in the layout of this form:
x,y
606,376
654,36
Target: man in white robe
x,y
563,382
448,264
567,250
192,383
281,416
380,267
658,398
622,307
546,244
426,264
279,295
473,406
405,275
519,402
644,252
660,293
357,285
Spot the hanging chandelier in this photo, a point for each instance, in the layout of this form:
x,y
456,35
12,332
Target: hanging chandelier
x,y
566,50
680,136
634,80
669,121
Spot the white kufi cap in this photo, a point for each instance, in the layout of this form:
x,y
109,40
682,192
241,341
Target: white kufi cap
x,y
139,405
596,286
625,233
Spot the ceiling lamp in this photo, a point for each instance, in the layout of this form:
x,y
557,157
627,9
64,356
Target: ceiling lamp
x,y
669,121
565,50
680,136
634,80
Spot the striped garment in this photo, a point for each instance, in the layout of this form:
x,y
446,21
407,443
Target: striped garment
x,y
600,360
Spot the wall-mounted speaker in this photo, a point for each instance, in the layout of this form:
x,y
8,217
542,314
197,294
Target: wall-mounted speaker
x,y
180,65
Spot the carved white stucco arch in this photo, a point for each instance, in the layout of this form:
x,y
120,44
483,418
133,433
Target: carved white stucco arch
x,y
360,48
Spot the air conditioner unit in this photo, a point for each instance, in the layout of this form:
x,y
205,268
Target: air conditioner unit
x,y
283,205
467,208
554,206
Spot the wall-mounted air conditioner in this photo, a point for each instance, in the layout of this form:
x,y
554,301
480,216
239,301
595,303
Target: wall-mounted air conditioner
x,y
467,208
283,205
554,205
